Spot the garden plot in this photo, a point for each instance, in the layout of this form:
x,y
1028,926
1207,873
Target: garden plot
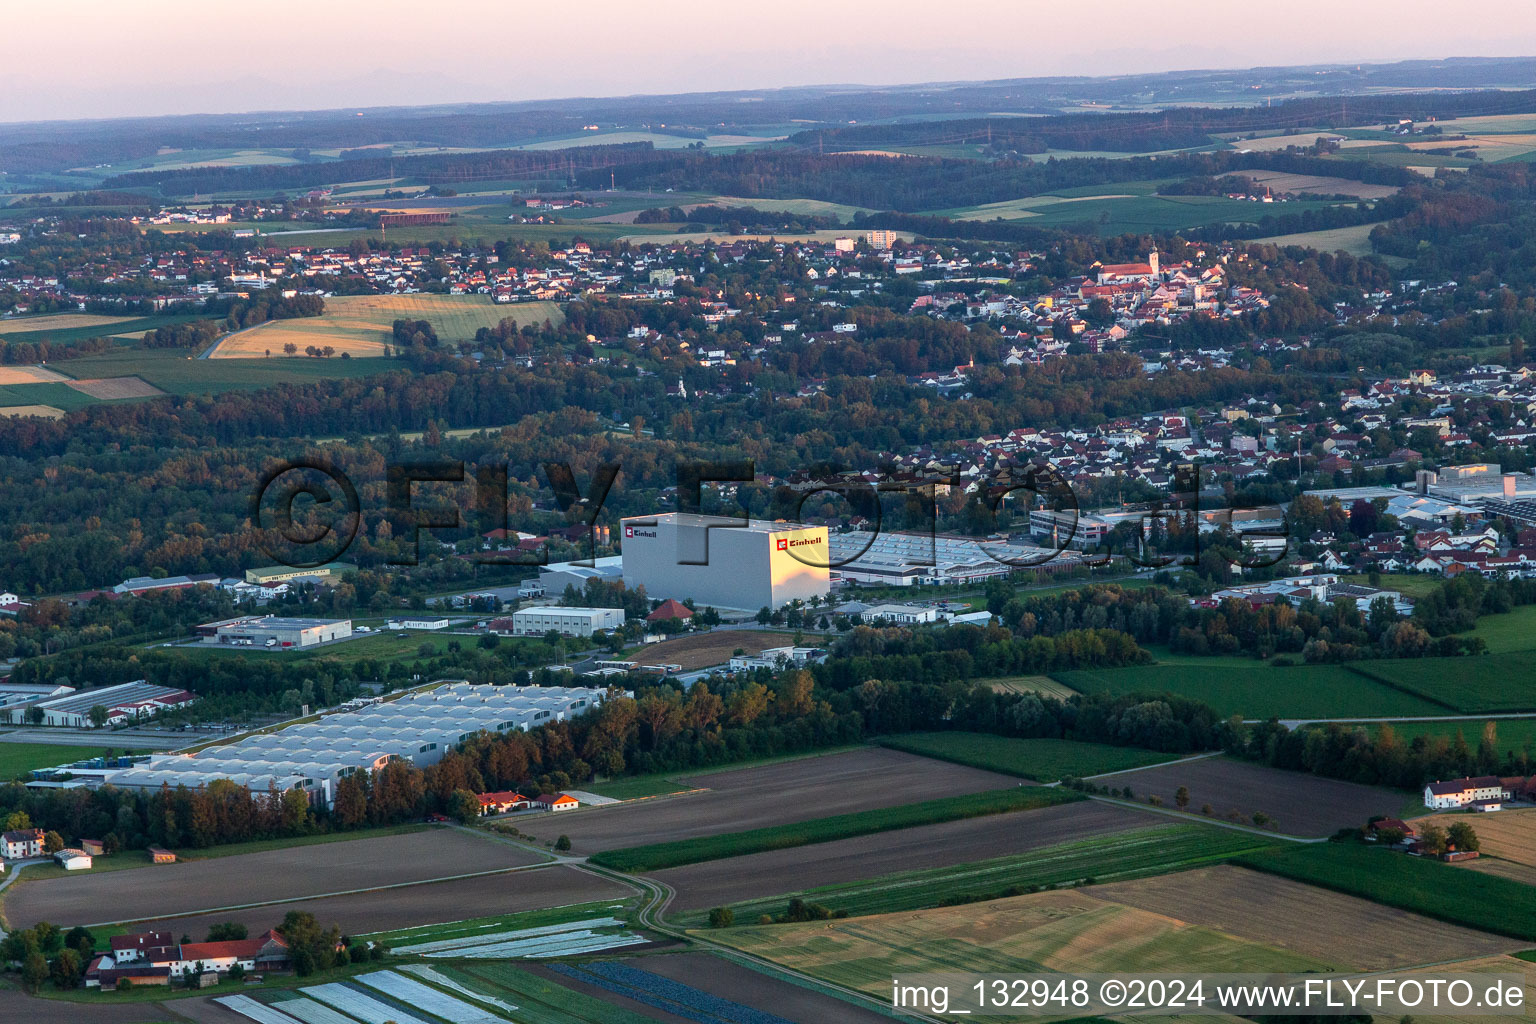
x,y
427,998
564,939
358,1005
245,1006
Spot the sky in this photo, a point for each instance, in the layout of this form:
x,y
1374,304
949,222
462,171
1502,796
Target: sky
x,y
110,58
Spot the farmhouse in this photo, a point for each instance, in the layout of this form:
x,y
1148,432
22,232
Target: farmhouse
x,y
556,802
160,855
501,803
25,842
152,958
1463,792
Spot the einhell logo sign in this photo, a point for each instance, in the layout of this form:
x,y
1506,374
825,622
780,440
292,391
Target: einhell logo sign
x,y
630,531
785,543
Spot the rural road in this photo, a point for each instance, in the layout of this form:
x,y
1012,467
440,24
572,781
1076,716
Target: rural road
x,y
1291,723
208,352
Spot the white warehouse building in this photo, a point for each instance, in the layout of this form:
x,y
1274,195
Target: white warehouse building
x,y
565,621
724,562
314,756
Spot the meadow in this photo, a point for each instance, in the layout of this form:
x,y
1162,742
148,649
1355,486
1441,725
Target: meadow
x,y
1135,853
1355,240
1043,760
1446,892
656,856
1472,685
19,758
1261,691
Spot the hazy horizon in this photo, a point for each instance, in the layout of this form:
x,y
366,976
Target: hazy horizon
x,y
161,57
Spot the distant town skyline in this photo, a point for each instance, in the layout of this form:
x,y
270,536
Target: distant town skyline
x,y
95,59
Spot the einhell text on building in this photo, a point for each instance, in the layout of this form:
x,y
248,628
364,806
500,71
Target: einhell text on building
x,y
725,562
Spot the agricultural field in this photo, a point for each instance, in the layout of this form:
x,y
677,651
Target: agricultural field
x,y
768,795
475,930
1513,630
706,650
360,325
1507,838
1313,922
59,322
1473,685
1280,181
827,829
47,412
1041,760
1446,892
1060,930
1118,212
1259,691
730,980
113,389
11,375
54,394
1058,846
71,327
413,905
1299,804
281,874
179,373
1044,686
1355,239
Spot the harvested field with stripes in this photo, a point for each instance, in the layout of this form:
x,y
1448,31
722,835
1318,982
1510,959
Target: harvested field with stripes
x,y
1331,926
111,388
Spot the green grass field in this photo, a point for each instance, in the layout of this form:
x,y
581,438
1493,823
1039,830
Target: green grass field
x,y
20,758
823,830
1510,631
1133,854
54,393
1261,691
1043,760
1442,891
176,372
1472,685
